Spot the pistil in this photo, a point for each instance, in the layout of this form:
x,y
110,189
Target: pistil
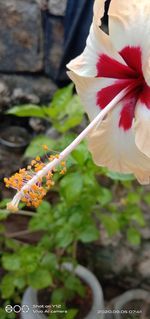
x,y
26,189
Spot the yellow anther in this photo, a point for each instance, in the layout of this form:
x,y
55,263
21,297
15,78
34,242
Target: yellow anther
x,y
38,158
63,163
33,162
12,208
45,147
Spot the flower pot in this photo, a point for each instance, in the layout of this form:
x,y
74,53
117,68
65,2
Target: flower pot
x,y
30,295
137,299
14,138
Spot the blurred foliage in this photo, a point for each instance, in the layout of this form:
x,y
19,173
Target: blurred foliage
x,y
86,197
64,112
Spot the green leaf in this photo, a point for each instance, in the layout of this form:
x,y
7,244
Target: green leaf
x,y
119,176
71,186
110,223
89,234
43,218
137,215
105,196
72,117
46,243
64,237
3,214
44,207
75,219
12,244
49,261
133,236
65,110
4,202
133,198
58,296
147,198
27,110
65,140
75,285
71,314
29,258
7,286
3,314
11,262
40,279
35,148
59,102
81,154
19,282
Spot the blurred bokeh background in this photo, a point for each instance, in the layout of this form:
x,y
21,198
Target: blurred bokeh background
x,y
91,217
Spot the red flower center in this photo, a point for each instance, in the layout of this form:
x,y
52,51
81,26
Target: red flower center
x,y
125,75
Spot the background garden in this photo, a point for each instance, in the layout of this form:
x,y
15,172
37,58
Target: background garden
x,y
91,216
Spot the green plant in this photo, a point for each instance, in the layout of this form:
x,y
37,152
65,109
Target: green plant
x,y
64,112
40,266
84,198
73,218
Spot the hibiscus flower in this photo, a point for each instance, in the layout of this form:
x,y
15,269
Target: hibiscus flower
x,y
109,64
112,77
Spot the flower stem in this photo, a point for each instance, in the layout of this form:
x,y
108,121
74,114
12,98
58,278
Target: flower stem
x,y
20,212
18,233
43,172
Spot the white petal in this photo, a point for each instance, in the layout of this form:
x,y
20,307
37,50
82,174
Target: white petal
x,y
129,26
87,88
98,11
114,148
98,43
142,128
